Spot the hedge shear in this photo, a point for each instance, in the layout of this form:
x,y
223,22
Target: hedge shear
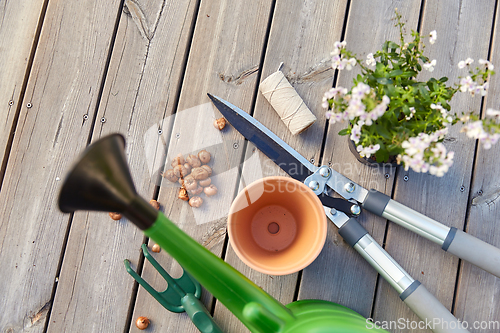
x,y
342,212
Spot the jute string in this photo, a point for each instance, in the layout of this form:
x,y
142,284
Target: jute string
x,y
287,103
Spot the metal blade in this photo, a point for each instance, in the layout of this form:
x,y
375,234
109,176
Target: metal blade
x,y
296,165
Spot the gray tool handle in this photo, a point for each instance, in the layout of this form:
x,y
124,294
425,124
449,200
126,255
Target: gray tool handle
x,y
473,250
433,314
452,240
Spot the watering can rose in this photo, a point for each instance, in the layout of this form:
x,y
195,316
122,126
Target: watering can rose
x,y
391,114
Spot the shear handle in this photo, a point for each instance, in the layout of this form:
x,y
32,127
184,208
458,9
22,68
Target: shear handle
x,y
459,243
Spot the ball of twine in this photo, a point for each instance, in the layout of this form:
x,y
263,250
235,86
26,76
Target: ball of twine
x,y
287,103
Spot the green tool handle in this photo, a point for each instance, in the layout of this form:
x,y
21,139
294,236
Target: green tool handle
x,y
199,315
225,283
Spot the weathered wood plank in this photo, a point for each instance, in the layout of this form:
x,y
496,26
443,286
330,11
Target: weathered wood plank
x,y
346,278
136,98
459,36
64,85
223,60
19,21
478,292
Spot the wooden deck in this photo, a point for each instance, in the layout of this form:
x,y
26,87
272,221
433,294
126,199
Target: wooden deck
x,y
73,71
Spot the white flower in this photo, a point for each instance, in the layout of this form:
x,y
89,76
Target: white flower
x,y
337,62
469,61
467,84
367,151
492,112
412,113
416,147
473,130
461,64
430,65
356,133
337,46
432,38
370,60
489,140
488,64
349,64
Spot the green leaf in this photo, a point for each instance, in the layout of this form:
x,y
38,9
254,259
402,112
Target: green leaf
x,y
406,110
391,90
443,79
408,74
383,131
392,45
383,80
382,155
345,131
394,73
424,92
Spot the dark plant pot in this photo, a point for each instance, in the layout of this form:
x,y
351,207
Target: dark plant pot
x,y
369,161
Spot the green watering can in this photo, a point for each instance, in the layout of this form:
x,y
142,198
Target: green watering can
x,y
101,181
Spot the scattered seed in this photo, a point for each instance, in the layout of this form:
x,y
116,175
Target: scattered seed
x,y
156,248
155,204
142,323
115,216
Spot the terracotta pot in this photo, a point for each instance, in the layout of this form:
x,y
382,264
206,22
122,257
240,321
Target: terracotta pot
x,y
277,225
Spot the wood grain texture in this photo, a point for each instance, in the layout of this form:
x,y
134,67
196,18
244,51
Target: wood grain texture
x,y
18,24
478,292
439,198
223,60
64,84
352,281
136,99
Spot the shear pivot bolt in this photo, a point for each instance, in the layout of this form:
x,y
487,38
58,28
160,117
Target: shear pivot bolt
x,y
313,185
355,209
333,211
324,172
350,187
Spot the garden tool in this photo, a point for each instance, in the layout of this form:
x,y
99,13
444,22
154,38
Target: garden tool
x,y
324,179
181,295
101,181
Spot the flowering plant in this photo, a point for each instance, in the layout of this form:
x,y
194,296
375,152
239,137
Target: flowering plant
x,y
392,114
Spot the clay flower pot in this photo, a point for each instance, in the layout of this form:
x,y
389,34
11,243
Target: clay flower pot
x,y
277,225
